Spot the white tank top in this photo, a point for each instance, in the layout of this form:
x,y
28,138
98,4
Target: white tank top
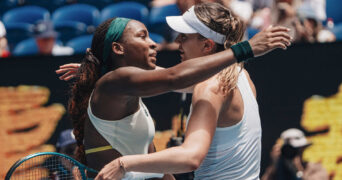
x,y
235,151
129,135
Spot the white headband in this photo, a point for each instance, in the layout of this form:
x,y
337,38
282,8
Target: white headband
x,y
189,23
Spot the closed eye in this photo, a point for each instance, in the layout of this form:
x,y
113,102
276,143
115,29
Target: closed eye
x,y
183,37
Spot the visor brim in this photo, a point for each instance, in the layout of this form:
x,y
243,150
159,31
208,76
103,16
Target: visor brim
x,y
178,24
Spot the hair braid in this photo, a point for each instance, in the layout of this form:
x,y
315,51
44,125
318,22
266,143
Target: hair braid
x,y
88,74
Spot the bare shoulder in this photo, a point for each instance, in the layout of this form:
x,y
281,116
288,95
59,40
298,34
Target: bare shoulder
x,y
120,74
123,72
114,81
208,89
251,84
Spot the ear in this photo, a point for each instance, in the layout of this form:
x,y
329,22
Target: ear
x,y
117,48
209,46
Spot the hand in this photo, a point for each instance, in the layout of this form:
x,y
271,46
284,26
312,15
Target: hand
x,y
111,171
68,70
270,39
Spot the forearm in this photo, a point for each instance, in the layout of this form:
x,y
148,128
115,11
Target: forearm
x,y
199,69
172,160
136,82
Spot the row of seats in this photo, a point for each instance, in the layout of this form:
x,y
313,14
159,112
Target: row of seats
x,y
81,19
29,46
79,44
89,14
52,5
332,6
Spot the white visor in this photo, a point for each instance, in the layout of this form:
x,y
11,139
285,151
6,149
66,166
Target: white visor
x,y
295,138
188,23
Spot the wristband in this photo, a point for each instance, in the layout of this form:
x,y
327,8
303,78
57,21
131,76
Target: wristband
x,y
242,51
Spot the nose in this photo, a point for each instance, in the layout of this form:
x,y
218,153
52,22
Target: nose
x,y
153,44
178,39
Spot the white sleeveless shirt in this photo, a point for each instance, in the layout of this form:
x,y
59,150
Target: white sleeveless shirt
x,y
129,135
235,151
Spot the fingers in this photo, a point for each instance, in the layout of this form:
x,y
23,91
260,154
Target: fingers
x,y
279,29
61,71
278,45
98,177
280,39
70,65
269,27
280,34
67,76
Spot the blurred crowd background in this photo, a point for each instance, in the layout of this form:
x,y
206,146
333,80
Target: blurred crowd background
x,y
34,32
65,27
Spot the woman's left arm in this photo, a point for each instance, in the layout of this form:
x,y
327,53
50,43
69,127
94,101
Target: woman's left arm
x,y
184,158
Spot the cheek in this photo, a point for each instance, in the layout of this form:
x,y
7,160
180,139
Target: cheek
x,y
139,48
139,53
192,51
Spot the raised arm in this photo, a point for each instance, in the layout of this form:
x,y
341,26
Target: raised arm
x,y
184,158
138,82
134,81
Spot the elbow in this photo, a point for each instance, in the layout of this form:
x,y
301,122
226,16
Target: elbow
x,y
195,160
191,157
194,164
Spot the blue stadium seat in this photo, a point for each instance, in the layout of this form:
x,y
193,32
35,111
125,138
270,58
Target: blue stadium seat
x,y
80,44
17,32
157,20
26,14
333,8
6,5
132,10
84,13
157,38
69,29
337,30
251,32
26,47
158,14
